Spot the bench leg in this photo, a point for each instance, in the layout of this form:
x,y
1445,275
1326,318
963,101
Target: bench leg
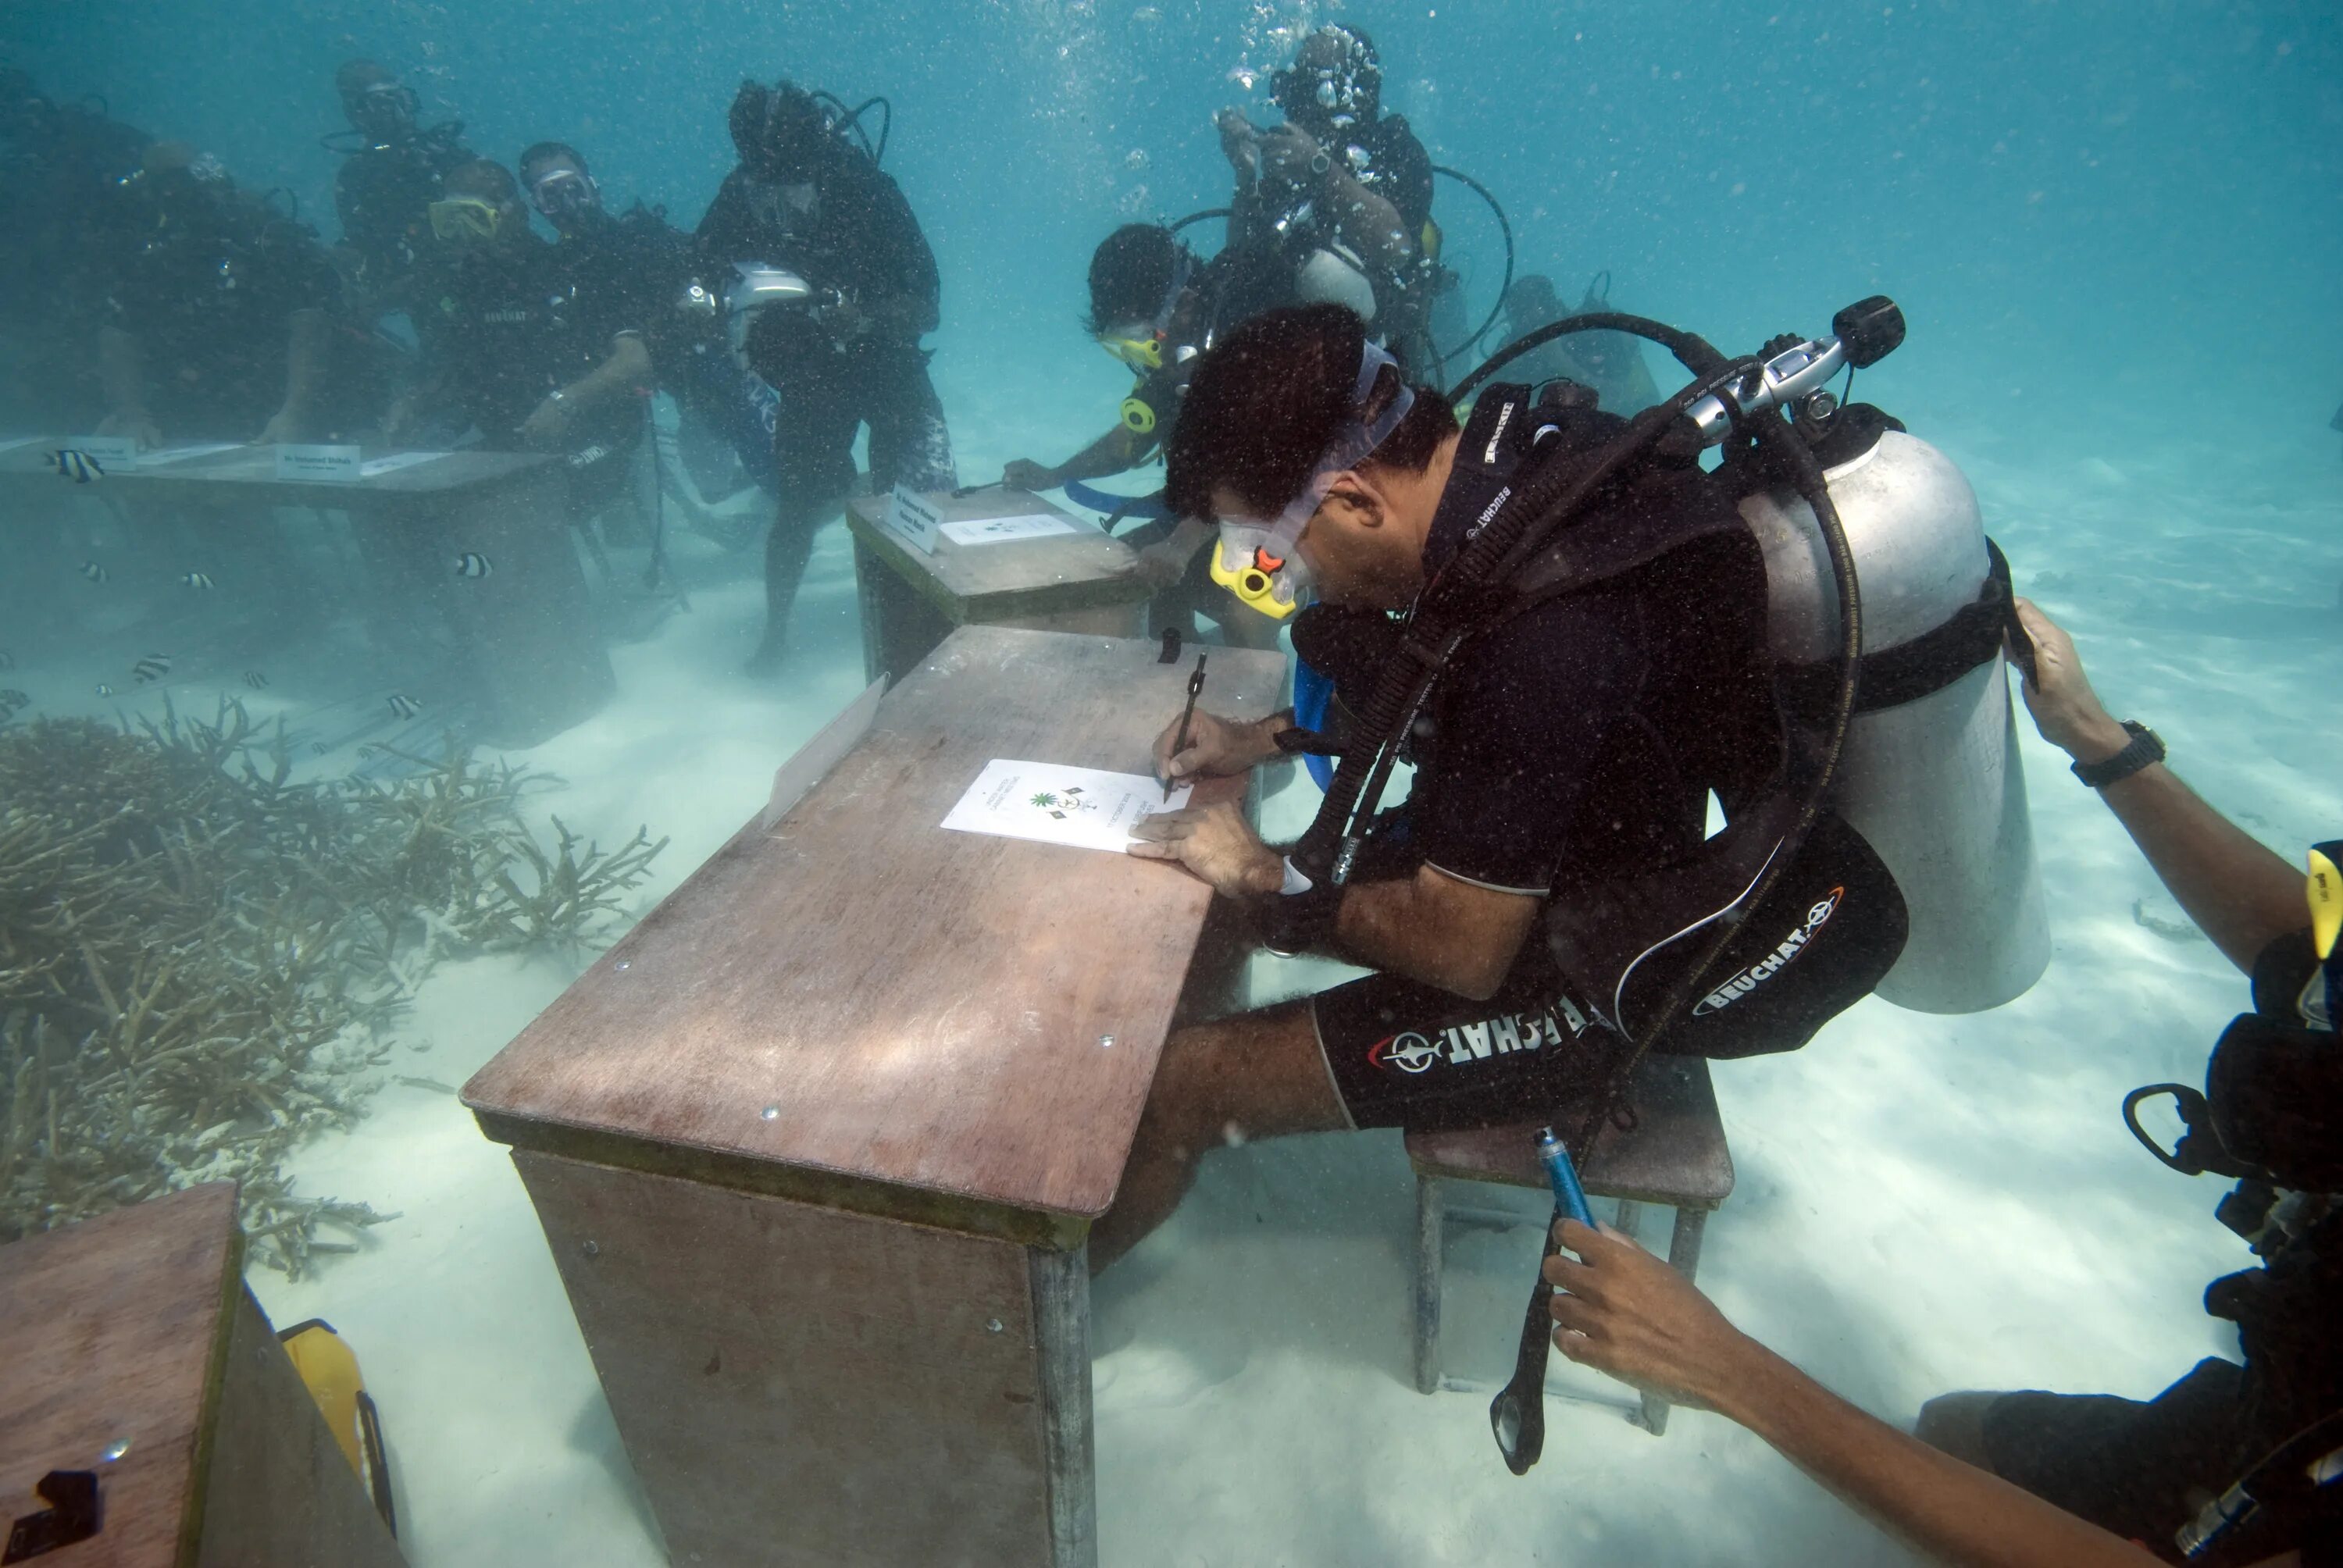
x,y
1684,1256
1631,1218
1429,1228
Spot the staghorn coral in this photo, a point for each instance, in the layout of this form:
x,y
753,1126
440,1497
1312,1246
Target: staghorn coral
x,y
199,958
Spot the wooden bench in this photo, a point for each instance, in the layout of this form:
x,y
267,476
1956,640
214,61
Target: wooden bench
x,y
818,1144
134,1351
1675,1155
1085,581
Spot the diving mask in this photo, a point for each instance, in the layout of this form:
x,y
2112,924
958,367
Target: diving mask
x,y
563,193
1259,561
466,217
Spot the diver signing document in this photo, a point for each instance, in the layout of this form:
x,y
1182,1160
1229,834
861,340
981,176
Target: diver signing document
x,y
1080,806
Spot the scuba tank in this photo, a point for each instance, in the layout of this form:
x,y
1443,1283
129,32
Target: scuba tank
x,y
1929,774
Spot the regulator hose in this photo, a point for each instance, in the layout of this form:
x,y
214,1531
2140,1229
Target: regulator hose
x,y
1506,228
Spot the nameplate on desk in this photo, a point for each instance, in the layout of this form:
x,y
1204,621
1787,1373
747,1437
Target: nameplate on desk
x,y
912,518
336,464
111,451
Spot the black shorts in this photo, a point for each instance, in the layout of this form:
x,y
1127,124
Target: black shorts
x,y
1403,1054
2136,1469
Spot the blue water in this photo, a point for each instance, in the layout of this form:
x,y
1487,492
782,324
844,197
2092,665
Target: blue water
x,y
2116,229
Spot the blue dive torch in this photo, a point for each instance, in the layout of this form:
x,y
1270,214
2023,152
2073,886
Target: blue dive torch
x,y
1517,1415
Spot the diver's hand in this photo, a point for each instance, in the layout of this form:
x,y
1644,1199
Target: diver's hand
x,y
1620,1310
2065,707
1217,846
1024,474
1286,151
285,426
1163,563
1238,141
134,423
546,424
1216,747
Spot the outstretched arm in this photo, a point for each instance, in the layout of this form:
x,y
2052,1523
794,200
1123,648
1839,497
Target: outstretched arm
x,y
1627,1313
2239,893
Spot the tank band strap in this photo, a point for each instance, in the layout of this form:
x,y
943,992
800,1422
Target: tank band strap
x,y
1935,660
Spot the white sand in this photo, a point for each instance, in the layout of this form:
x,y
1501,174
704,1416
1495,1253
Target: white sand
x,y
1923,1204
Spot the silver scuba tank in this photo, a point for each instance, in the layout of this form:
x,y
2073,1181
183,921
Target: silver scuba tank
x,y
1935,785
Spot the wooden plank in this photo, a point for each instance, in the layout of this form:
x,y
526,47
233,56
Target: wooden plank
x,y
278,1491
1017,579
795,1385
113,1328
249,474
858,992
1675,1155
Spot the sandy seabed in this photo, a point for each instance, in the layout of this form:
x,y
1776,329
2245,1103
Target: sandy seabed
x,y
1923,1202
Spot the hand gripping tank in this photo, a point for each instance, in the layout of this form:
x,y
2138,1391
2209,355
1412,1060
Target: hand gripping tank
x,y
1935,785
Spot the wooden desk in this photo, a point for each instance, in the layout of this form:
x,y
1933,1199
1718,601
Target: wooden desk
x,y
1084,581
818,1144
135,1329
532,652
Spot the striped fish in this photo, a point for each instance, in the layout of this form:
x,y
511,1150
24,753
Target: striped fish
x,y
404,707
255,679
93,572
471,564
103,690
196,581
79,467
153,666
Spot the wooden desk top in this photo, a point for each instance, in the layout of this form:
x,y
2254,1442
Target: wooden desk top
x,y
858,992
251,471
112,1328
1018,578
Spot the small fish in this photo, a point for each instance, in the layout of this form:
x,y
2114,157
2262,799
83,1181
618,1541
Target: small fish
x,y
433,1085
255,679
471,564
79,467
404,707
103,690
196,581
93,572
153,666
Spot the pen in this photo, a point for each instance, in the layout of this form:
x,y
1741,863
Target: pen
x,y
971,489
1569,1197
1195,685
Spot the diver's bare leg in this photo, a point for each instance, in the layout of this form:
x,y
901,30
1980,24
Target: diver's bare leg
x,y
1256,1075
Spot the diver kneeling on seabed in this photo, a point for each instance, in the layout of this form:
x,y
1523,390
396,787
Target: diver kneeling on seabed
x,y
1577,636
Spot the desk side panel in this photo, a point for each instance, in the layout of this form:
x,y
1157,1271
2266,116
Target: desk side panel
x,y
799,1385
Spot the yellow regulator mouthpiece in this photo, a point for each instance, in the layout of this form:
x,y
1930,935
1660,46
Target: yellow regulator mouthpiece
x,y
2326,896
1254,582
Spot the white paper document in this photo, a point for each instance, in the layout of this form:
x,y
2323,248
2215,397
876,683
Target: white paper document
x,y
1051,804
993,530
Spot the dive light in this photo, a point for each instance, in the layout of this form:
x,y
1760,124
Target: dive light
x,y
1863,335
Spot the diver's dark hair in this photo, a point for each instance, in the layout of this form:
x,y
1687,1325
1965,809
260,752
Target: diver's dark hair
x,y
1130,271
544,150
483,177
781,127
1269,398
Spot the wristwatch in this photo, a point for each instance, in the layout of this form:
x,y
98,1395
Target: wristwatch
x,y
2144,749
1320,163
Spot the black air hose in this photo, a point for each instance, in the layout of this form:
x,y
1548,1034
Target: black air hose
x,y
1506,227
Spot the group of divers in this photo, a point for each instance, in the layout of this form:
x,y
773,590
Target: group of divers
x,y
1590,618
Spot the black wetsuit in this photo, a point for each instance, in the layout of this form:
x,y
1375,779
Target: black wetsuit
x,y
58,182
383,195
209,286
512,324
851,230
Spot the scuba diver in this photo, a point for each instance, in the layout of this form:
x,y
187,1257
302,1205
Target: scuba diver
x,y
216,324
386,183
538,357
1157,308
835,287
1609,364
1340,192
59,167
1578,636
